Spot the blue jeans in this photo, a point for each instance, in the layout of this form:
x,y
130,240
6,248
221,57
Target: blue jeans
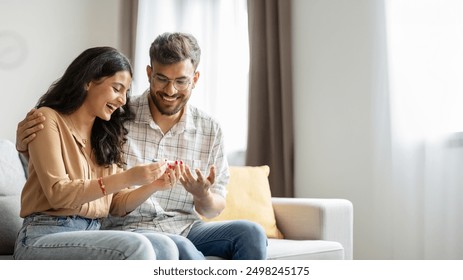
x,y
76,238
186,249
236,240
233,240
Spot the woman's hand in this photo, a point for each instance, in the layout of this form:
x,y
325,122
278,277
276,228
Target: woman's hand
x,y
166,181
172,175
147,173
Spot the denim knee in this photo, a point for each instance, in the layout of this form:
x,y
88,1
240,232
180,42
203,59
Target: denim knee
x,y
164,247
254,239
255,230
187,250
139,247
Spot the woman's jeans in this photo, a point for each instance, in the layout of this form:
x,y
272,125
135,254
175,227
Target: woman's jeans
x,y
76,238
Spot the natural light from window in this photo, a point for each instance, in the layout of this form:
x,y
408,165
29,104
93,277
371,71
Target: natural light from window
x,y
425,50
221,28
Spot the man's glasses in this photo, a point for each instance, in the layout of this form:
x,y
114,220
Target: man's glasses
x,y
180,84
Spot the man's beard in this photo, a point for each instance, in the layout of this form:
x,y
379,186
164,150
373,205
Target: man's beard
x,y
165,111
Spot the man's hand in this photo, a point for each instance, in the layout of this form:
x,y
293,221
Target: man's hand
x,y
27,128
198,186
207,203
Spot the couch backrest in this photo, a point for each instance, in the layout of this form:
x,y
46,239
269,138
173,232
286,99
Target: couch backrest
x,y
12,179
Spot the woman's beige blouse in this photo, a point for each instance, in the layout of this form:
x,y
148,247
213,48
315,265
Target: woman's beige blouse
x,y
60,175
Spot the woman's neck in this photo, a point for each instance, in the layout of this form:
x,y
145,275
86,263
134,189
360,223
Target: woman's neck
x,y
82,123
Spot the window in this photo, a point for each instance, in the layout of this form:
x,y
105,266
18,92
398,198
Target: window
x,y
425,52
220,26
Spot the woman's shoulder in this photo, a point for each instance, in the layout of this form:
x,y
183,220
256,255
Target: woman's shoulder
x,y
49,112
52,117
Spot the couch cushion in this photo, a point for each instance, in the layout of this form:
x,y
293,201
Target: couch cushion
x,y
249,198
12,179
284,249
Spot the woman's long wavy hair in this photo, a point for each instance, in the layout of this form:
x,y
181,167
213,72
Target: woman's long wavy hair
x,y
68,93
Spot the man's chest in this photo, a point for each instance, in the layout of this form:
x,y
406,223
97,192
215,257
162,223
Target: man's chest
x,y
145,144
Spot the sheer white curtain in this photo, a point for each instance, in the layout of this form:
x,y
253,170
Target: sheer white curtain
x,y
419,130
220,26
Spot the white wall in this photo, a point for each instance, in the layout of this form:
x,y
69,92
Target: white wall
x,y
38,40
335,48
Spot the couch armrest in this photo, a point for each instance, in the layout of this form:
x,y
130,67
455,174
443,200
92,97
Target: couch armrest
x,y
316,219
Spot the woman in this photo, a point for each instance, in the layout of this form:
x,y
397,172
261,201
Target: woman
x,y
75,168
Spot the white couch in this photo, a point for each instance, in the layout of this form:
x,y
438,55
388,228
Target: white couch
x,y
313,228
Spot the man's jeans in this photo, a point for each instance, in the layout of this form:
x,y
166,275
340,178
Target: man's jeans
x,y
76,238
235,240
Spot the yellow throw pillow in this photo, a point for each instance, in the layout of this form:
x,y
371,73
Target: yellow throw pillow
x,y
249,198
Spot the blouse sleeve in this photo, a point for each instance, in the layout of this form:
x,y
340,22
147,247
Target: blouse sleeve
x,y
55,157
119,201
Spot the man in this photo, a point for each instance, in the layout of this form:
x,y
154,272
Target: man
x,y
167,126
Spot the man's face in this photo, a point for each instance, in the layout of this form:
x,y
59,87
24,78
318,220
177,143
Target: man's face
x,y
171,85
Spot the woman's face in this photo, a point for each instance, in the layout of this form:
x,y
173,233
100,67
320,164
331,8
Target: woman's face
x,y
107,94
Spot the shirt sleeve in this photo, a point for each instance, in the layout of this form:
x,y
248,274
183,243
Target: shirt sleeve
x,y
221,164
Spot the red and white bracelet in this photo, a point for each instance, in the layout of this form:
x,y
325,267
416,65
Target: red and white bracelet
x,y
102,186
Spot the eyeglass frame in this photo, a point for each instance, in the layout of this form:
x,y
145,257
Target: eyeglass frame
x,y
155,77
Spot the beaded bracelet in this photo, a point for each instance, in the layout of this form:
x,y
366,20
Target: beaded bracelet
x,y
102,186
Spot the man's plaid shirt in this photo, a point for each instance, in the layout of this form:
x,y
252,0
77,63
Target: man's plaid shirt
x,y
197,140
